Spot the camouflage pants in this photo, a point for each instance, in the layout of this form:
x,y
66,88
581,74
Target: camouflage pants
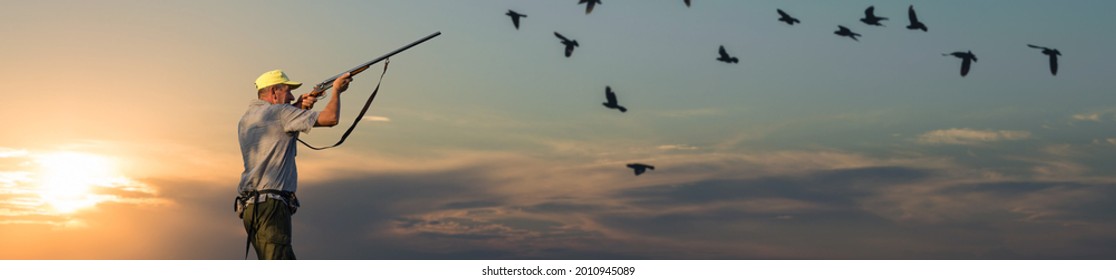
x,y
272,234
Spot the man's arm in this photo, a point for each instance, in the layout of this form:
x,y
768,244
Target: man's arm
x,y
329,116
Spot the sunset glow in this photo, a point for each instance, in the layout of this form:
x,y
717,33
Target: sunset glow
x,y
67,179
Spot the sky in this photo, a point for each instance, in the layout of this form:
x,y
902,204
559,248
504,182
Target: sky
x,y
486,142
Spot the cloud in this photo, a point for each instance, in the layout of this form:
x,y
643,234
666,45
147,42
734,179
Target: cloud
x,y
1062,150
991,204
24,201
1088,117
376,119
12,153
831,205
1105,141
516,207
1059,169
816,187
677,147
965,136
1099,115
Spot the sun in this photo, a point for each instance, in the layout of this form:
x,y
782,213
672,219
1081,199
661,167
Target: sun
x,y
68,180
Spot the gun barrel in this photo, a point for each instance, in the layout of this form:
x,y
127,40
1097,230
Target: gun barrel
x,y
328,83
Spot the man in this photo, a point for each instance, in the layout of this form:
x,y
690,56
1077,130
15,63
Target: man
x,y
268,133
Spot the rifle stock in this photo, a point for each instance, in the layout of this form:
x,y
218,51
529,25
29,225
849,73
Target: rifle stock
x,y
320,88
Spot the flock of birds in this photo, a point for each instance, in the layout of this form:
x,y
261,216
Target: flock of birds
x,y
870,18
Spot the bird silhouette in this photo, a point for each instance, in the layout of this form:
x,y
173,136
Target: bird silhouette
x,y
784,17
870,17
1053,54
967,59
590,4
611,97
639,168
725,56
687,2
915,24
845,32
515,18
570,44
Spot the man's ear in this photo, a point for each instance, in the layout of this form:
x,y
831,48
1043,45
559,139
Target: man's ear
x,y
267,94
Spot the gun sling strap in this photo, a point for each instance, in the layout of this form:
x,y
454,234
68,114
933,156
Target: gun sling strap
x,y
359,116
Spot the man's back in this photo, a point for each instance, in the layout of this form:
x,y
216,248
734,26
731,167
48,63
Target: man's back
x,y
267,135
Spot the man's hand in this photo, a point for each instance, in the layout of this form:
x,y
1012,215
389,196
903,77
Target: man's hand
x,y
306,101
341,84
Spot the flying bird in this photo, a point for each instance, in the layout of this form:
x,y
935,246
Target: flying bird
x,y
611,97
967,59
845,32
515,17
590,4
915,24
639,168
870,17
570,44
784,17
1053,54
687,2
725,56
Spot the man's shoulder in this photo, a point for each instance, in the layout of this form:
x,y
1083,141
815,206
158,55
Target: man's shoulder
x,y
256,106
262,107
259,104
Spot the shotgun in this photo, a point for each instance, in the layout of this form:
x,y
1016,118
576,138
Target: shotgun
x,y
320,88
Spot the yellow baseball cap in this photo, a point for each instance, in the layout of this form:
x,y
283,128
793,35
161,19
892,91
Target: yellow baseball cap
x,y
275,77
